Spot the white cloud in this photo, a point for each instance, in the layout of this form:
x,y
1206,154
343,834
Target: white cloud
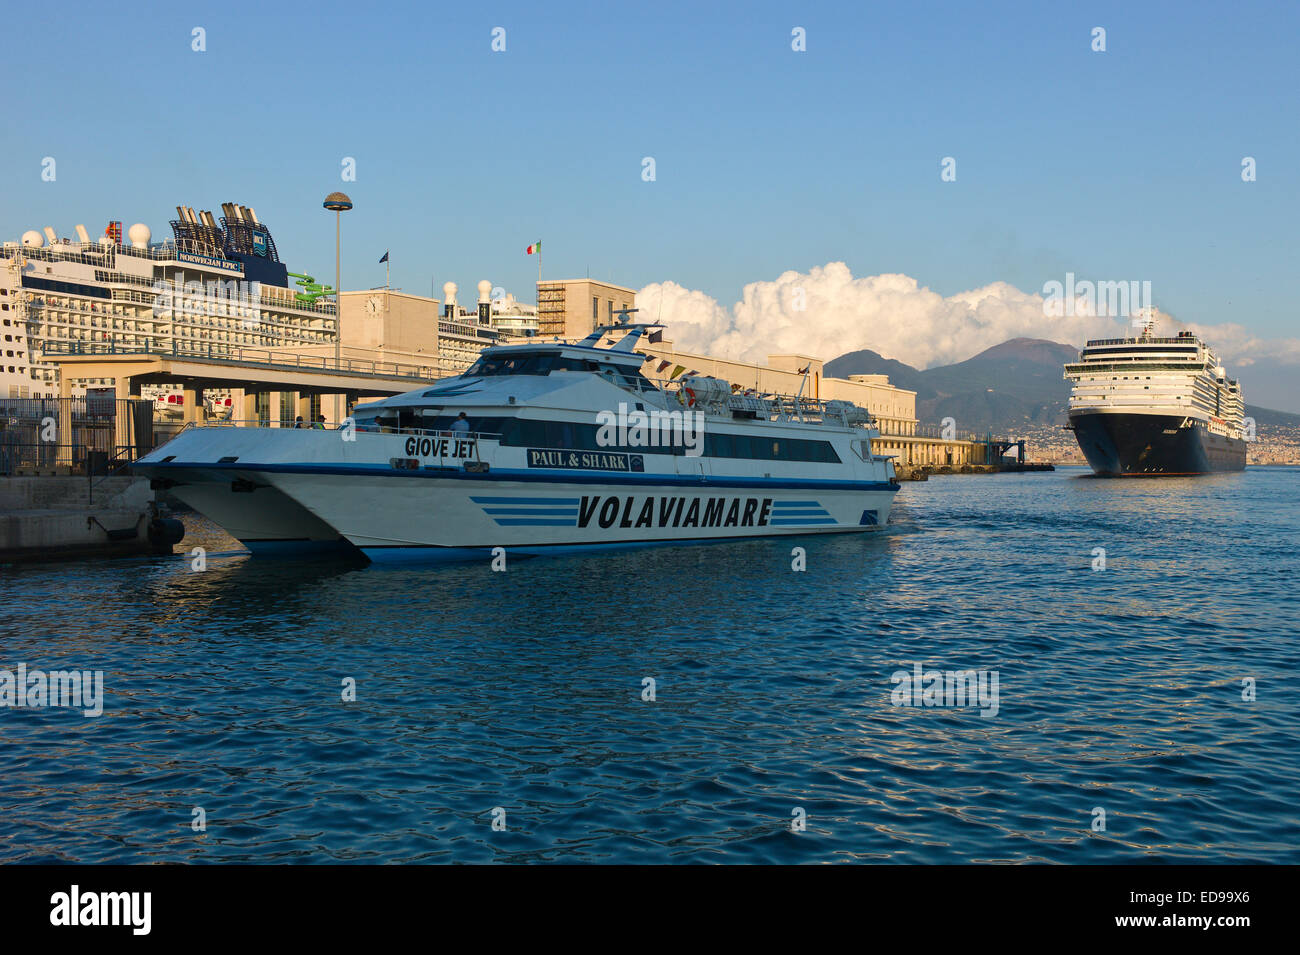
x,y
898,318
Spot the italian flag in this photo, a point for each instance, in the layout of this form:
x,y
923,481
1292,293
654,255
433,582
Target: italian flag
x,y
535,247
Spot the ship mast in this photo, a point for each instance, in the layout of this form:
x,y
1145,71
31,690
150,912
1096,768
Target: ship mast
x,y
1146,321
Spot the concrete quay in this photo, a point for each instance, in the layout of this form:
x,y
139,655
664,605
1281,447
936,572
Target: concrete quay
x,y
59,517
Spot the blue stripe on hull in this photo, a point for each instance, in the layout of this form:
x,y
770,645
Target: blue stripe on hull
x,y
556,501
535,522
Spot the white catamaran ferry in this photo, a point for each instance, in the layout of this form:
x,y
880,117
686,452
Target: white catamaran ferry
x,y
540,448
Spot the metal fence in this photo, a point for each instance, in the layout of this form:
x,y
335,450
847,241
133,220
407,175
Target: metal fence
x,y
89,434
247,355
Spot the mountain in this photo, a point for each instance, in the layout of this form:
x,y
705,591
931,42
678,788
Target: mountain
x,y
1004,388
868,362
1016,385
1268,418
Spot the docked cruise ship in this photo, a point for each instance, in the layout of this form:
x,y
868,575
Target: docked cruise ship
x,y
522,451
216,288
1149,406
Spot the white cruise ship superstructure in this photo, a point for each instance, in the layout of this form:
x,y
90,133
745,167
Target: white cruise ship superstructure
x,y
536,466
215,289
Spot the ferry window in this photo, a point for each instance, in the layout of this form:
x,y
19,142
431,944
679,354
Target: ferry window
x,y
637,381
764,449
442,422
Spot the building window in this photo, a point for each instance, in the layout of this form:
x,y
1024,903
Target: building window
x,y
595,308
611,310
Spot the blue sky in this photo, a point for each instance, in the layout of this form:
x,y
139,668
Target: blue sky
x,y
1117,165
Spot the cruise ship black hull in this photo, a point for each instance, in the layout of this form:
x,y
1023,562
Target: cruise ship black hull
x,y
1149,445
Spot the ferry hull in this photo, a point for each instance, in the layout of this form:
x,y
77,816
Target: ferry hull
x,y
266,521
1150,445
457,517
325,495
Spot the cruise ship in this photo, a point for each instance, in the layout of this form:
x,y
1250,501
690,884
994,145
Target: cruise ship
x,y
1150,406
215,288
540,449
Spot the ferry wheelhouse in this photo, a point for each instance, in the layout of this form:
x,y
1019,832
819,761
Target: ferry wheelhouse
x,y
540,448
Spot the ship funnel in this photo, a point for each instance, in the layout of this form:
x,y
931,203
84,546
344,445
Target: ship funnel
x,y
485,302
449,300
82,235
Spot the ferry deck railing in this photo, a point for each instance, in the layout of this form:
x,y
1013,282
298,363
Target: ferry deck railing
x,y
770,406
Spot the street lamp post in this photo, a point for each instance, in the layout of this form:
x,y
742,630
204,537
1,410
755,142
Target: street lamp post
x,y
338,203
